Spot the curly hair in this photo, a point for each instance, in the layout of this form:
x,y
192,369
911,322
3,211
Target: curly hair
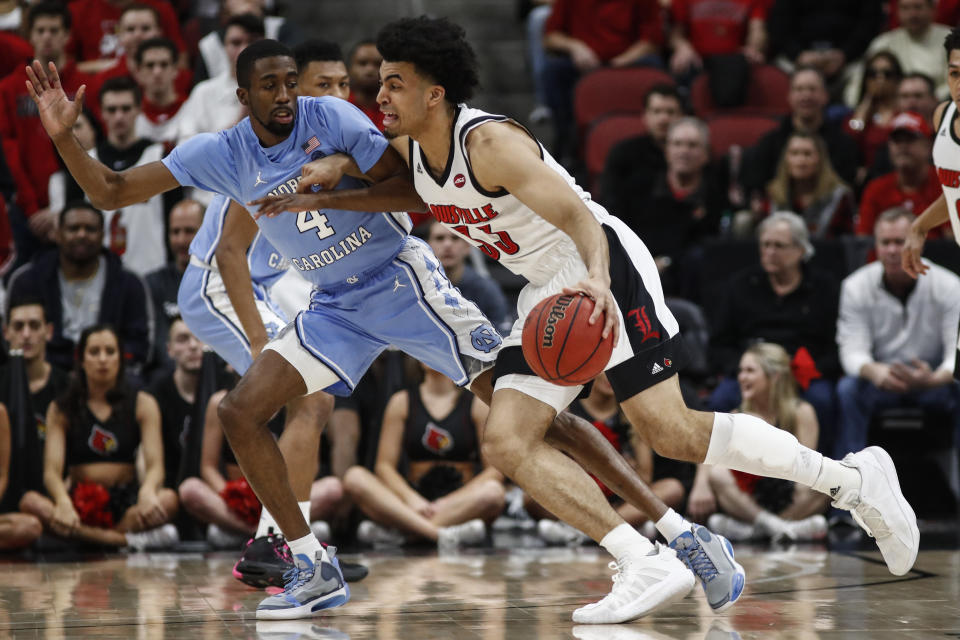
x,y
437,48
952,41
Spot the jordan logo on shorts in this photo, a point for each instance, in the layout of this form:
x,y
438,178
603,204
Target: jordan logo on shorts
x,y
396,283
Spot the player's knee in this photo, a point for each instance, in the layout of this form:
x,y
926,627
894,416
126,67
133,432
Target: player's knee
x,y
500,449
237,415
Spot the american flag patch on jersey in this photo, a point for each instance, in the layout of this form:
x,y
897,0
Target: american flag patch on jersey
x,y
310,144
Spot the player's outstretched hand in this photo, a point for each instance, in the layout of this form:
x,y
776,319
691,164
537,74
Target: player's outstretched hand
x,y
272,206
912,250
57,111
603,305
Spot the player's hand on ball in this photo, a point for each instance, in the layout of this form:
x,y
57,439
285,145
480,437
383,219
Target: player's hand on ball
x,y
57,111
272,206
605,309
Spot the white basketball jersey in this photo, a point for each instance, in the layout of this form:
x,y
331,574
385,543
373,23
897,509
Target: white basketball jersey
x,y
496,222
136,233
946,157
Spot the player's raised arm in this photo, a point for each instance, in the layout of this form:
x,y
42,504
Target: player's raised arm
x,y
107,189
503,156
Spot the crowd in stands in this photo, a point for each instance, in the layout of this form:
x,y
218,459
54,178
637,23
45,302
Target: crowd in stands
x,y
772,161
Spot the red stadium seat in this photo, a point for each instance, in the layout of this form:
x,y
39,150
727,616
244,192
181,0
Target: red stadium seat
x,y
736,129
603,135
613,90
766,95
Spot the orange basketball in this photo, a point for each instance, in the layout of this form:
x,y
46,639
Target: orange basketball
x,y
559,344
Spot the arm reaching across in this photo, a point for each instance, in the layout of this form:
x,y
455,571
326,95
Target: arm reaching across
x,y
107,189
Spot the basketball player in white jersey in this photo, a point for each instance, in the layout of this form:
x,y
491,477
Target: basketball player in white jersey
x,y
489,180
946,157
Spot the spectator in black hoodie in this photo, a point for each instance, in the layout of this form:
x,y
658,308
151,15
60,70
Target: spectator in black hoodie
x,y
82,284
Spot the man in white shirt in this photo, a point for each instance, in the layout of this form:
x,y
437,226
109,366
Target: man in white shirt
x,y
917,43
896,334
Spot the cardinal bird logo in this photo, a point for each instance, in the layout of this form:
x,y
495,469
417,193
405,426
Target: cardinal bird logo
x,y
102,441
436,439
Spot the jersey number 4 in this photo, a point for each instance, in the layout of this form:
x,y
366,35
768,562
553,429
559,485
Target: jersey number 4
x,y
505,243
307,220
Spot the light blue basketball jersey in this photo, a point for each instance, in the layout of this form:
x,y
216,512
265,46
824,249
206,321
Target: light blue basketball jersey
x,y
265,262
332,249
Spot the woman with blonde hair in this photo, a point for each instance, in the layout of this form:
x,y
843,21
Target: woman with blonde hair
x,y
756,507
807,184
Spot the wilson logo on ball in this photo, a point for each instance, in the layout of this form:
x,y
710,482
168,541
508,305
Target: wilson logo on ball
x,y
557,313
559,343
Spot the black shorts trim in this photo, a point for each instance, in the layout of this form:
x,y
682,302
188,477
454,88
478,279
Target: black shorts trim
x,y
511,360
647,368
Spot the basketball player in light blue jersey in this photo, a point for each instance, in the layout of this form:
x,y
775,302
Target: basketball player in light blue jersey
x,y
374,285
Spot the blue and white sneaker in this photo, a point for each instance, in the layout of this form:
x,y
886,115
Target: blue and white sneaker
x,y
311,586
710,557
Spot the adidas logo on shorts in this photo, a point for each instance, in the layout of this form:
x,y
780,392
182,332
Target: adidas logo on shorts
x,y
656,368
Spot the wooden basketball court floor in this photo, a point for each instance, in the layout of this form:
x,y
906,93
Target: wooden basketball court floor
x,y
805,592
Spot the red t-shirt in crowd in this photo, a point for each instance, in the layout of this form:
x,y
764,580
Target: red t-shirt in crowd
x,y
94,31
609,27
885,193
29,151
717,26
372,112
182,83
14,52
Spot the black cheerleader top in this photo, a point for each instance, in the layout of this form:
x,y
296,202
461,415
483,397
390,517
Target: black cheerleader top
x,y
452,439
114,440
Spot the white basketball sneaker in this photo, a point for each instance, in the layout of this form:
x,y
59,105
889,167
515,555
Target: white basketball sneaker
x,y
880,508
640,585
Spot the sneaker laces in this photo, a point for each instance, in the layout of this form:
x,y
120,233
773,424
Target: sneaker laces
x,y
295,577
871,520
697,560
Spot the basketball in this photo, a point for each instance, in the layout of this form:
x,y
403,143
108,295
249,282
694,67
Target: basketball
x,y
559,344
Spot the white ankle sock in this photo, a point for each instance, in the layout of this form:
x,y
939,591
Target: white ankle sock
x,y
308,545
623,540
266,523
305,510
747,443
672,525
837,480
